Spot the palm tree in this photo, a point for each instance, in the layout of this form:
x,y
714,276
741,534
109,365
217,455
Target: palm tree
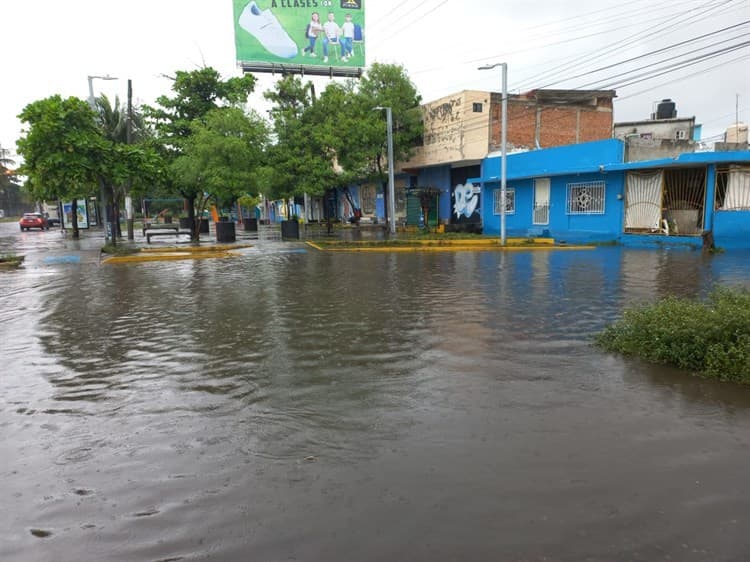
x,y
113,121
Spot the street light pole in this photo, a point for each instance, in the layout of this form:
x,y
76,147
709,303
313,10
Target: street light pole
x,y
391,188
129,139
503,142
102,210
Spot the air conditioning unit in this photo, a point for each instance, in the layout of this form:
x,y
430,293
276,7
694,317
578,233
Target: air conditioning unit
x,y
682,134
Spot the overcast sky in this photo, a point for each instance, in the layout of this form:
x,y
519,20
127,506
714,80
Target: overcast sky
x,y
50,47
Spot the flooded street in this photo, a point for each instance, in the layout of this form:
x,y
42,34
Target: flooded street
x,y
289,404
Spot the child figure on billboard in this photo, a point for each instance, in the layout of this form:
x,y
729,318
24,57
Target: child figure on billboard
x,y
313,29
347,37
332,33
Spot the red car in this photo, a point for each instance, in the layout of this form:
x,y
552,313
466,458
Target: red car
x,y
33,220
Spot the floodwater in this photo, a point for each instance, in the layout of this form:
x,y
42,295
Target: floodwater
x,y
295,405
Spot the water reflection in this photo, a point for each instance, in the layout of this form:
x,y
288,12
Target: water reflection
x,y
319,406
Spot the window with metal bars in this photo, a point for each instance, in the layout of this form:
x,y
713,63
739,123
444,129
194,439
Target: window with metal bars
x,y
684,196
732,188
586,198
510,201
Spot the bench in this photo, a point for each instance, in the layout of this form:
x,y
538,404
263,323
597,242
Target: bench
x,y
164,226
164,232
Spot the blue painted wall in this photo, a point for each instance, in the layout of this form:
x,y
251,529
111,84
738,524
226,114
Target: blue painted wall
x,y
440,177
732,229
562,226
569,159
600,161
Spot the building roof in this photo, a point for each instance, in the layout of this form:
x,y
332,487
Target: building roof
x,y
592,157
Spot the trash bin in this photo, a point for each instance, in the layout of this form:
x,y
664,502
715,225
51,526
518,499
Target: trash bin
x,y
289,230
225,231
250,225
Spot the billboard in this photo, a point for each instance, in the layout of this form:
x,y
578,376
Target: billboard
x,y
309,36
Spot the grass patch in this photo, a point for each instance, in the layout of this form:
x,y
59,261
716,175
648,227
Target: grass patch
x,y
119,250
11,260
710,339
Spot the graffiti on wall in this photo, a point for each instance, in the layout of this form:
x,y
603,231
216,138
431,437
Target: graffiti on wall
x,y
466,202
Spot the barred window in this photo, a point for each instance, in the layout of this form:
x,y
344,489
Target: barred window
x,y
586,198
510,201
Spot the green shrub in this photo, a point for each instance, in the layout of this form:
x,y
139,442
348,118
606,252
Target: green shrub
x,y
709,338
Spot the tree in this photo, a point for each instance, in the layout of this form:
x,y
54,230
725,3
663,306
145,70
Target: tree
x,y
175,119
360,136
11,195
63,150
339,139
301,160
221,158
131,164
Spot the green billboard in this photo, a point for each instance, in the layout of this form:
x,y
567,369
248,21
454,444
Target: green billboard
x,y
300,33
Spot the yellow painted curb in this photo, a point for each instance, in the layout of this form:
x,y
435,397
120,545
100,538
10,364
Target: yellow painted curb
x,y
452,248
171,253
196,249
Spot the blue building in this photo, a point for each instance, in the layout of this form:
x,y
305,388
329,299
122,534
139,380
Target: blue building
x,y
587,193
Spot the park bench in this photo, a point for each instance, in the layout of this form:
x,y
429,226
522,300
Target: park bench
x,y
164,232
160,226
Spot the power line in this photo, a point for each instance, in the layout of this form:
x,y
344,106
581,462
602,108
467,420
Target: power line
x,y
400,29
620,44
663,49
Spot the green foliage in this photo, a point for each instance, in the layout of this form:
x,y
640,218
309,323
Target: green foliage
x,y
339,139
223,153
62,147
196,93
190,112
711,338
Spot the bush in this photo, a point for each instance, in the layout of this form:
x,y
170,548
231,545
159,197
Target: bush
x,y
709,338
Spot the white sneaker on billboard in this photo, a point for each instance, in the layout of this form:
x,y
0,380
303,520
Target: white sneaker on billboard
x,y
265,27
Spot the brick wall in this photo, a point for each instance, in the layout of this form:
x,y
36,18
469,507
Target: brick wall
x,y
557,124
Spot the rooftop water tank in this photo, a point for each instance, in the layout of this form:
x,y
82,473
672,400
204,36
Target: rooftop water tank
x,y
666,109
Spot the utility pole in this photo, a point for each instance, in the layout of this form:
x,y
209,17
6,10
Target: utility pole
x,y
102,193
391,210
504,142
129,140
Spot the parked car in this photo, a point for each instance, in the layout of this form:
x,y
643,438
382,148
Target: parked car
x,y
33,220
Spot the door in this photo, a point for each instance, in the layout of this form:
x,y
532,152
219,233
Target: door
x,y
541,201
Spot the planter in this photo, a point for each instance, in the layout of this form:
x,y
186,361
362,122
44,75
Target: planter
x,y
225,231
250,225
289,230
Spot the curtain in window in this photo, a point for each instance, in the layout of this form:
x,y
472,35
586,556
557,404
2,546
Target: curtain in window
x,y
738,190
643,196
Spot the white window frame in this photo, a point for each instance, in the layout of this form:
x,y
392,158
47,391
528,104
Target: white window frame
x,y
596,200
510,198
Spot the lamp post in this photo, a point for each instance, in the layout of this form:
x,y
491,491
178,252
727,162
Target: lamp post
x,y
92,103
503,142
91,86
391,189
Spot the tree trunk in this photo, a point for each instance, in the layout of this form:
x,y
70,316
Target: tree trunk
x,y
74,217
194,226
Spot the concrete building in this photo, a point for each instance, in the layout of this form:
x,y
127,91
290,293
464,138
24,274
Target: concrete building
x,y
463,128
664,135
588,193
